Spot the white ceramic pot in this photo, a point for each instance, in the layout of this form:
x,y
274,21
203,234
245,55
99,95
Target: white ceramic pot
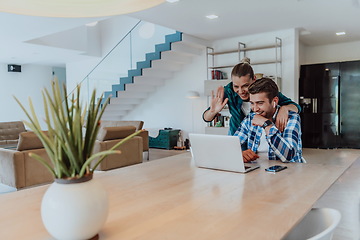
x,y
75,210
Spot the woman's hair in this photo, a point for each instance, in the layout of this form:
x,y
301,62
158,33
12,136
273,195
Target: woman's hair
x,y
265,85
243,69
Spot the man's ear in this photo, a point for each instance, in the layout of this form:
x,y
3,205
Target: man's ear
x,y
275,101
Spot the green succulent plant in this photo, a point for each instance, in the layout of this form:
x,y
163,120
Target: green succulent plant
x,y
69,148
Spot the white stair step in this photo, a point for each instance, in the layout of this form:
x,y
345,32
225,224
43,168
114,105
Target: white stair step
x,y
120,101
184,49
168,66
120,107
135,87
170,56
126,94
143,80
157,73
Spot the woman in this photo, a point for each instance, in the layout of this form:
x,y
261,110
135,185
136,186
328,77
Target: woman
x,y
236,95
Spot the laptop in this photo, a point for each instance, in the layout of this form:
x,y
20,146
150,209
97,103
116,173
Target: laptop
x,y
220,152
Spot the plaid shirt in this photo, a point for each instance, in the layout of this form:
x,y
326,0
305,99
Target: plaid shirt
x,y
285,146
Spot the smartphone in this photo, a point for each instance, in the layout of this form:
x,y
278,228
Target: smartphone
x,y
275,168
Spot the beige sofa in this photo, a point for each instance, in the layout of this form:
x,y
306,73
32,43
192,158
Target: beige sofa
x,y
9,132
138,126
131,151
18,169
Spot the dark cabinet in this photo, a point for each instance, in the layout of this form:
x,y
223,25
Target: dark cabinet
x,y
350,104
329,96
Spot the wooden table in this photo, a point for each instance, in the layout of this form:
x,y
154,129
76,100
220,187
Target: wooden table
x,y
171,199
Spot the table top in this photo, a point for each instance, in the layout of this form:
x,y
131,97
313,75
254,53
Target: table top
x,y
170,198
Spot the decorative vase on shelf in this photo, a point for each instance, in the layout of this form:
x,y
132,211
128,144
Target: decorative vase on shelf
x,y
75,206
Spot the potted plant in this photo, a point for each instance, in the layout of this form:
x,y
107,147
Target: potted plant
x,y
74,206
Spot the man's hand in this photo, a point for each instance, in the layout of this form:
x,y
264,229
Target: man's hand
x,y
217,104
258,120
249,155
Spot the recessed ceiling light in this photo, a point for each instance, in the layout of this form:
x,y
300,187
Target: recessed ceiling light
x,y
172,1
340,33
212,16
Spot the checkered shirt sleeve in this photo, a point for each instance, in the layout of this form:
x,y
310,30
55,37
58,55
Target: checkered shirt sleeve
x,y
287,146
243,132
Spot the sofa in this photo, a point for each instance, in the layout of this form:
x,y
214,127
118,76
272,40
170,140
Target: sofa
x,y
18,169
131,151
138,126
9,132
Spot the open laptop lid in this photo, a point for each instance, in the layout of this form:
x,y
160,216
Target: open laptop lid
x,y
219,152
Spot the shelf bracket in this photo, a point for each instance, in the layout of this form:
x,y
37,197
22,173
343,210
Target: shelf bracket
x,y
241,46
209,50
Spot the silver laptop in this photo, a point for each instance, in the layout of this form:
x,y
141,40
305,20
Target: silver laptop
x,y
219,152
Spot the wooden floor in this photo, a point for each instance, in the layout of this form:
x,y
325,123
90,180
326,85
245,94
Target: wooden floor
x,y
344,195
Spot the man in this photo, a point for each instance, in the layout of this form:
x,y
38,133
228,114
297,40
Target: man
x,y
259,132
236,96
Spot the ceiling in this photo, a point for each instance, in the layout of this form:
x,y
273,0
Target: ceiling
x,y
318,20
321,18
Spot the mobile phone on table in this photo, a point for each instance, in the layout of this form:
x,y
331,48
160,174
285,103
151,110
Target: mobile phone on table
x,y
275,168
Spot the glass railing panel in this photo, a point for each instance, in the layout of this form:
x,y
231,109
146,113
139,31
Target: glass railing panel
x,y
123,57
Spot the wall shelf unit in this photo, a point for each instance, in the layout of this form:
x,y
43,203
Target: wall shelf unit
x,y
242,51
212,85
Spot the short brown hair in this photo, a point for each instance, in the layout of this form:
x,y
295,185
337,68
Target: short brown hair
x,y
266,85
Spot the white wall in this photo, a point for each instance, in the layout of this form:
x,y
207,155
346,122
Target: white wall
x,y
27,83
331,53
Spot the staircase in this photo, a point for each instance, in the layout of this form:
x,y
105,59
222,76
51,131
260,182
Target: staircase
x,y
168,58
